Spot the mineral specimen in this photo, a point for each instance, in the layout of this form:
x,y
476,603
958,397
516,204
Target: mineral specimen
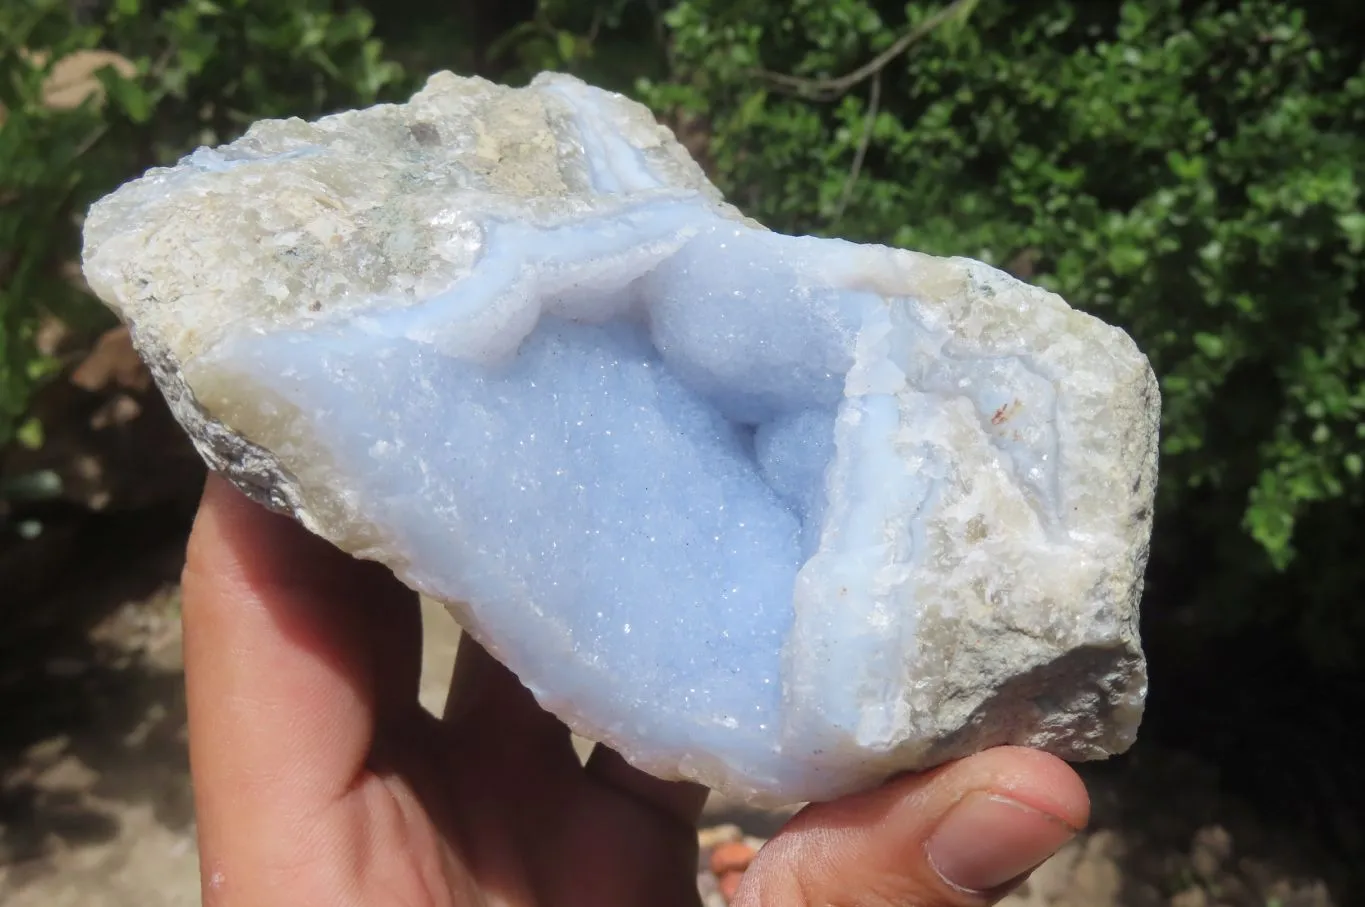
x,y
782,515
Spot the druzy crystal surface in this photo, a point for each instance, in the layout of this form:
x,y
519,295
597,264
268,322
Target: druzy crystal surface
x,y
783,515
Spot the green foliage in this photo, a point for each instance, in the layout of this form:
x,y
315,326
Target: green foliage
x,y
609,43
1190,170
90,102
560,35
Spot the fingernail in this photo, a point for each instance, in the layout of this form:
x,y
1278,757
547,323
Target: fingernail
x,y
987,840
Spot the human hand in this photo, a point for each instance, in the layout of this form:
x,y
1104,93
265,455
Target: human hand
x,y
320,782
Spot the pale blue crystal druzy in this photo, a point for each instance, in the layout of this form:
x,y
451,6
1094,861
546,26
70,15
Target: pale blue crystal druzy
x,y
625,503
780,514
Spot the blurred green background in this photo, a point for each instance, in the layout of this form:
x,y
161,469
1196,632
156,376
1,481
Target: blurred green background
x,y
1191,171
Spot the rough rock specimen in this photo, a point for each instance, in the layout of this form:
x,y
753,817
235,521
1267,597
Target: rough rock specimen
x,y
782,515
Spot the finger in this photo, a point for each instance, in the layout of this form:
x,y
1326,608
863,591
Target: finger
x,y
487,704
677,800
512,766
960,836
485,696
488,708
285,663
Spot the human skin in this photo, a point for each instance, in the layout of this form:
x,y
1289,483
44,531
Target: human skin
x,y
321,782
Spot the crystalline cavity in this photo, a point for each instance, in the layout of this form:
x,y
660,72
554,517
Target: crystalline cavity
x,y
779,514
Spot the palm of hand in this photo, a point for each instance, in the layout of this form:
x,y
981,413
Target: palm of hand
x,y
496,796
320,780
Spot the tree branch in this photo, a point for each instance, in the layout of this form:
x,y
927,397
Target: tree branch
x,y
831,89
873,102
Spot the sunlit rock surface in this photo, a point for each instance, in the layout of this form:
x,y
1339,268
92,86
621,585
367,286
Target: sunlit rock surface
x,y
782,515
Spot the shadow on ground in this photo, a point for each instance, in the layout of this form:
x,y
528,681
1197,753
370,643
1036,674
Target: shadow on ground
x,y
1244,785
92,746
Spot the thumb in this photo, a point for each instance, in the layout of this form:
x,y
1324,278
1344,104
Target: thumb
x,y
962,835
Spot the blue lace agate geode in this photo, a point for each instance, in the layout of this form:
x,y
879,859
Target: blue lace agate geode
x,y
782,515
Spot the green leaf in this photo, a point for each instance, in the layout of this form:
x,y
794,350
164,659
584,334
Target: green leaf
x,y
30,434
1211,345
1353,225
567,45
128,94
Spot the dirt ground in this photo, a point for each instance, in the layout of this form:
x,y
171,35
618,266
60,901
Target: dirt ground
x,y
96,809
